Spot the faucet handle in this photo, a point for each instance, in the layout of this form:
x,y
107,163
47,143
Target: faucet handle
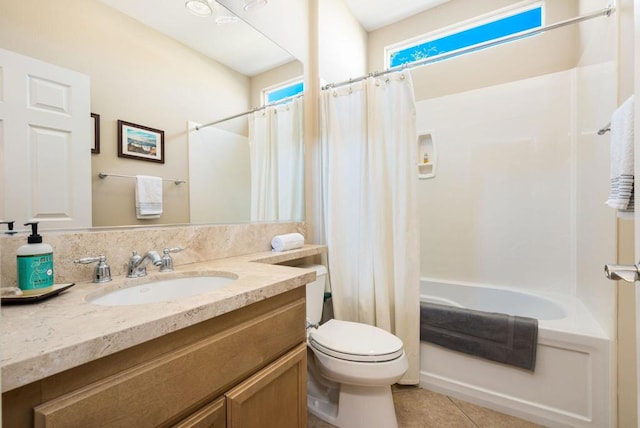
x,y
102,272
167,260
9,224
172,250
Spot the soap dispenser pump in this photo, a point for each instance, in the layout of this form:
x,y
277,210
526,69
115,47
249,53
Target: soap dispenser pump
x,y
35,264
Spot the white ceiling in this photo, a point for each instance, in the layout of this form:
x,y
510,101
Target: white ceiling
x,y
238,45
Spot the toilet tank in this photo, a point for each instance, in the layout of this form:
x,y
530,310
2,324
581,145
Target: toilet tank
x,y
315,293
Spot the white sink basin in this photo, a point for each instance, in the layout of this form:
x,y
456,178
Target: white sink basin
x,y
161,291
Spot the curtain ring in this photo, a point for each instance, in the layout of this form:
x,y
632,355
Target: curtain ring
x,y
402,77
350,90
335,93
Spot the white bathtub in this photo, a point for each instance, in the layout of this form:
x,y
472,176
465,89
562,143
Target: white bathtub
x,y
573,383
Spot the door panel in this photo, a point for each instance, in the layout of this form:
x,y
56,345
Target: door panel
x,y
45,141
275,397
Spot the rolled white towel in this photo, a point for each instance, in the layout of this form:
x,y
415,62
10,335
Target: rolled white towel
x,y
287,241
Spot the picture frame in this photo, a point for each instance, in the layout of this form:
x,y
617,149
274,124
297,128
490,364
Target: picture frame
x,y
95,133
140,142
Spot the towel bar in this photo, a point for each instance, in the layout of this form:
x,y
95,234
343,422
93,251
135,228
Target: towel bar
x,y
605,129
105,175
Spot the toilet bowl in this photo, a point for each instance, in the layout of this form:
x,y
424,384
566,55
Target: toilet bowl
x,y
351,367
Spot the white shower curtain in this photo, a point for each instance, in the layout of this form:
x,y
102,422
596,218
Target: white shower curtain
x,y
369,158
277,162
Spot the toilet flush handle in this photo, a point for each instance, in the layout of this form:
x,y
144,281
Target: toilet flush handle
x,y
311,325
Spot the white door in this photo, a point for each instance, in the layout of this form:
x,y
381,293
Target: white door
x,y
45,151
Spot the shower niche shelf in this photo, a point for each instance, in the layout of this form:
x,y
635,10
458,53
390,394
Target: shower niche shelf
x,y
427,155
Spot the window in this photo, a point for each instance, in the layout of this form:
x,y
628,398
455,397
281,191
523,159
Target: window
x,y
470,34
282,91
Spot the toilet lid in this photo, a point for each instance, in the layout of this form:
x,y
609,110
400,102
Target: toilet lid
x,y
355,341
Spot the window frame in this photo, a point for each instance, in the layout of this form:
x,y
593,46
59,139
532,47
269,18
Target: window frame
x,y
462,26
264,94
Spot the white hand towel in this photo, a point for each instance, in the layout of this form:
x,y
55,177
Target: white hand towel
x,y
286,242
148,197
621,190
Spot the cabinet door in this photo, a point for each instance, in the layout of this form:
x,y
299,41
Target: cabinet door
x,y
166,387
274,397
210,416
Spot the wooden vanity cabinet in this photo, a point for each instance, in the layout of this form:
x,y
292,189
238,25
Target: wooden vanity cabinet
x,y
246,368
265,399
213,415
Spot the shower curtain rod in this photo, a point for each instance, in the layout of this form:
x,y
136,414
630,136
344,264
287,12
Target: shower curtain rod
x,y
604,12
275,103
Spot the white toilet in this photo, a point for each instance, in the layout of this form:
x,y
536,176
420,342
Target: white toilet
x,y
351,367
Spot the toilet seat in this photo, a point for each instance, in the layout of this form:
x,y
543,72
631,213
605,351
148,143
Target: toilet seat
x,y
355,342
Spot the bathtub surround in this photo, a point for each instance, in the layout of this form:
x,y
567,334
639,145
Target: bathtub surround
x,y
499,337
370,208
201,243
571,385
522,177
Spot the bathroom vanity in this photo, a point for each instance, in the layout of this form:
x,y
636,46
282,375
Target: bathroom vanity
x,y
235,357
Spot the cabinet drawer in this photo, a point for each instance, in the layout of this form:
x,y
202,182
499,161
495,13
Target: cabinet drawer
x,y
212,415
275,397
179,382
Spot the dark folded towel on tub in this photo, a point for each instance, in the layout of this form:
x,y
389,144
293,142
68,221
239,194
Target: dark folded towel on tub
x,y
503,338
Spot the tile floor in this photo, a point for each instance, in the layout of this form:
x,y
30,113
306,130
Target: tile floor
x,y
419,408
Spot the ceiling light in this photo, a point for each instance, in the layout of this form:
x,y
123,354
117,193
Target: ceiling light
x,y
254,4
199,7
227,19
223,15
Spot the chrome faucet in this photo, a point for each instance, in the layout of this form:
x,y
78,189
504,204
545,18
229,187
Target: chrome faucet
x,y
102,273
138,264
629,273
167,261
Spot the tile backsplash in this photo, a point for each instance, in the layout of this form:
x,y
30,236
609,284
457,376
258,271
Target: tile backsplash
x,y
201,243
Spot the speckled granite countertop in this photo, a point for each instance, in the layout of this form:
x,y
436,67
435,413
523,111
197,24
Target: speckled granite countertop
x,y
42,339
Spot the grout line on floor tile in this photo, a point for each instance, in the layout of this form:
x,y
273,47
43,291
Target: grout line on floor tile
x,y
463,412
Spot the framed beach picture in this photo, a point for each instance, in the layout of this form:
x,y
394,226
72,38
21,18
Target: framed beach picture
x,y
140,142
95,133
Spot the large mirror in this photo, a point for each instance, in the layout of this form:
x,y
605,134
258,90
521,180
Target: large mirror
x,y
153,64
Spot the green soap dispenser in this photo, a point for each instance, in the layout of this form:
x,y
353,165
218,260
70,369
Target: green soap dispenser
x,y
35,264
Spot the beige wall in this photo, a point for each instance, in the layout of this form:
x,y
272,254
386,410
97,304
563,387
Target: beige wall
x,y
285,22
140,76
542,54
342,43
137,75
627,387
275,76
